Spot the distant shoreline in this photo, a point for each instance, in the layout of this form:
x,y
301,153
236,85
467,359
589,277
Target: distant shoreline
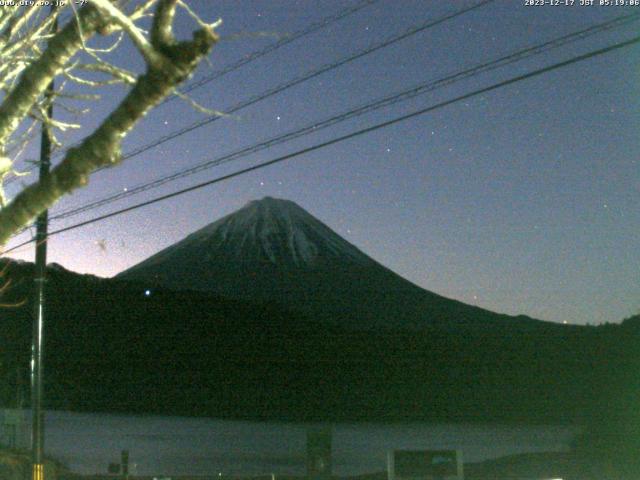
x,y
530,465
292,420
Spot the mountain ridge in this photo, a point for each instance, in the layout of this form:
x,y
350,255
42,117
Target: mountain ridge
x,y
274,250
251,226
111,347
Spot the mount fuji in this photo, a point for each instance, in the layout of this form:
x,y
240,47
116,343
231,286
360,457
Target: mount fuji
x,y
269,314
272,250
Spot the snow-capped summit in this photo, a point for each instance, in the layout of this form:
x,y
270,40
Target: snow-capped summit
x,y
273,250
276,231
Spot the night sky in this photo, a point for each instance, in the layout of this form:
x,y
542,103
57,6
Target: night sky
x,y
523,200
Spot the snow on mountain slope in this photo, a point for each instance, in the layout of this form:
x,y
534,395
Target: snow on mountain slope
x,y
279,230
270,230
273,250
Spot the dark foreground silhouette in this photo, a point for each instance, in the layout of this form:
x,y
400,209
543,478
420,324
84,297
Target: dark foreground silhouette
x,y
111,347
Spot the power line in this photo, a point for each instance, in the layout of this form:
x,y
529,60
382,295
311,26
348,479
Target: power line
x,y
366,108
308,76
342,138
389,41
303,78
314,27
308,30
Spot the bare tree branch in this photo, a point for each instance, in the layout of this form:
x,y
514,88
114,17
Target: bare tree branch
x,y
146,49
37,76
102,147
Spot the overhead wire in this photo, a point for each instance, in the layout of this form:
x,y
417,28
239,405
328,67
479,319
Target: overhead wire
x,y
342,138
430,23
309,75
314,27
316,126
372,48
308,30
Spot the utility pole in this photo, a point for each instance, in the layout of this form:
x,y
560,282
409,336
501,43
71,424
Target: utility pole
x,y
37,345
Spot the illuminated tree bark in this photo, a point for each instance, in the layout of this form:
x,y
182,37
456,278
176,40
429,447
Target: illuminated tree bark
x,y
168,63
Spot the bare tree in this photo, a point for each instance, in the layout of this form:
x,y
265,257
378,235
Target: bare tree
x,y
32,55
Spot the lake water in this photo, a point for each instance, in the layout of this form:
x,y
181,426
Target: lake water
x,y
87,443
